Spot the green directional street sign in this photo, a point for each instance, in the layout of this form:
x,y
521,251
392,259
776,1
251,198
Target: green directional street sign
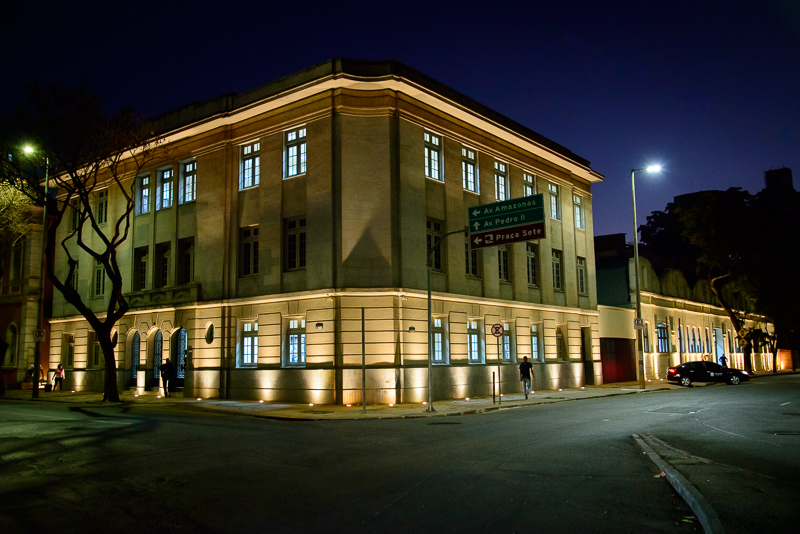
x,y
506,214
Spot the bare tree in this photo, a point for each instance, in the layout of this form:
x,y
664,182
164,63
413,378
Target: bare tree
x,y
84,150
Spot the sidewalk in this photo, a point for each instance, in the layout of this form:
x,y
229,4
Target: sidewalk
x,y
276,410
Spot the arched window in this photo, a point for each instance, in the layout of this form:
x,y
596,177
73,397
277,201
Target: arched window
x,y
135,355
663,337
157,346
181,340
11,339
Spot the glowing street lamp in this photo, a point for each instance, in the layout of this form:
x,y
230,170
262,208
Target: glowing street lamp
x,y
640,351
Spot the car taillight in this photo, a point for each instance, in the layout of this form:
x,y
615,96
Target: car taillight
x,y
672,370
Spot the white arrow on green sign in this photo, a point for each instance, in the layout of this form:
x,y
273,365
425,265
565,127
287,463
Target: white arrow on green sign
x,y
507,214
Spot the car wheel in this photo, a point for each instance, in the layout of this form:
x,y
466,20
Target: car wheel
x,y
734,380
685,381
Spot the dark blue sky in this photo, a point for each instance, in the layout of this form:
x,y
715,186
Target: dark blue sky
x,y
708,89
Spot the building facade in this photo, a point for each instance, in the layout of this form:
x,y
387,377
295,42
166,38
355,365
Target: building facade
x,y
278,215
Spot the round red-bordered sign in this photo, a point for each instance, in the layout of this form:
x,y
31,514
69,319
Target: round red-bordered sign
x,y
497,330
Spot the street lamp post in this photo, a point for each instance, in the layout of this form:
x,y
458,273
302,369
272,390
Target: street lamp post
x,y
640,350
37,354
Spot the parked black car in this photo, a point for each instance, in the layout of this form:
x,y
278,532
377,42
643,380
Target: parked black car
x,y
705,372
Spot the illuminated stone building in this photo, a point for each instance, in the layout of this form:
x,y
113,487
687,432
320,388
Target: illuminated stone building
x,y
682,322
282,211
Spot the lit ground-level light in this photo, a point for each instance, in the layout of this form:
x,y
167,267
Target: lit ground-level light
x,y
261,402
311,404
198,398
391,405
467,398
349,405
158,396
424,402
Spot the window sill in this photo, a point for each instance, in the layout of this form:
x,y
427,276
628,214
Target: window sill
x,y
506,283
295,176
474,277
438,181
248,188
477,193
533,286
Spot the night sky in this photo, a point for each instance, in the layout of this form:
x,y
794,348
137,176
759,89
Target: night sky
x,y
711,90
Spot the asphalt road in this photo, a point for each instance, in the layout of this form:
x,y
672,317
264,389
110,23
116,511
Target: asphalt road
x,y
547,468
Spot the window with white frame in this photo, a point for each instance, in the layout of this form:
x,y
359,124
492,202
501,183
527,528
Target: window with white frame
x,y
555,203
536,353
561,346
248,246
164,191
469,170
102,207
583,286
143,196
296,342
471,259
708,346
97,353
531,255
99,279
507,343
528,185
502,263
580,217
249,354
558,282
474,352
294,155
434,236
681,340
693,346
439,341
295,243
433,156
140,268
189,182
250,166
500,181
662,338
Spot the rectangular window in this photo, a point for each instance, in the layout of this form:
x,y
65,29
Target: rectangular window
x,y
140,269
102,207
163,257
693,346
186,260
532,253
580,218
555,203
646,337
434,236
500,181
75,215
250,166
296,339
536,354
439,346
165,189
582,280
294,155
189,183
473,342
561,347
681,340
73,279
99,280
433,156
249,344
508,354
96,353
295,244
502,263
68,351
557,278
16,261
248,246
662,338
144,194
471,258
528,185
469,170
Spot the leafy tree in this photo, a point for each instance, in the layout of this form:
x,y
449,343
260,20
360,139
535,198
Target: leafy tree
x,y
84,149
14,219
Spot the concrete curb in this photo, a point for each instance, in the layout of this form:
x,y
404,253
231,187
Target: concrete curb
x,y
697,502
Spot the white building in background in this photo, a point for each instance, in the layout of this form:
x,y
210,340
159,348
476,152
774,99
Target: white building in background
x,y
282,212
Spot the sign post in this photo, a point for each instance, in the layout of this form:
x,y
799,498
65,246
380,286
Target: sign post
x,y
497,332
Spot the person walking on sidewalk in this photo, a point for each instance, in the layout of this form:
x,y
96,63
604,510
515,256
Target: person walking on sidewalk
x,y
525,374
166,375
58,378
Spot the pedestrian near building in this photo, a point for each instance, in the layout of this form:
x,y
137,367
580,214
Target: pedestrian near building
x,y
167,370
58,378
525,374
723,361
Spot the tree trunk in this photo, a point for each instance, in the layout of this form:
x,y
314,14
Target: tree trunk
x,y
110,391
735,321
